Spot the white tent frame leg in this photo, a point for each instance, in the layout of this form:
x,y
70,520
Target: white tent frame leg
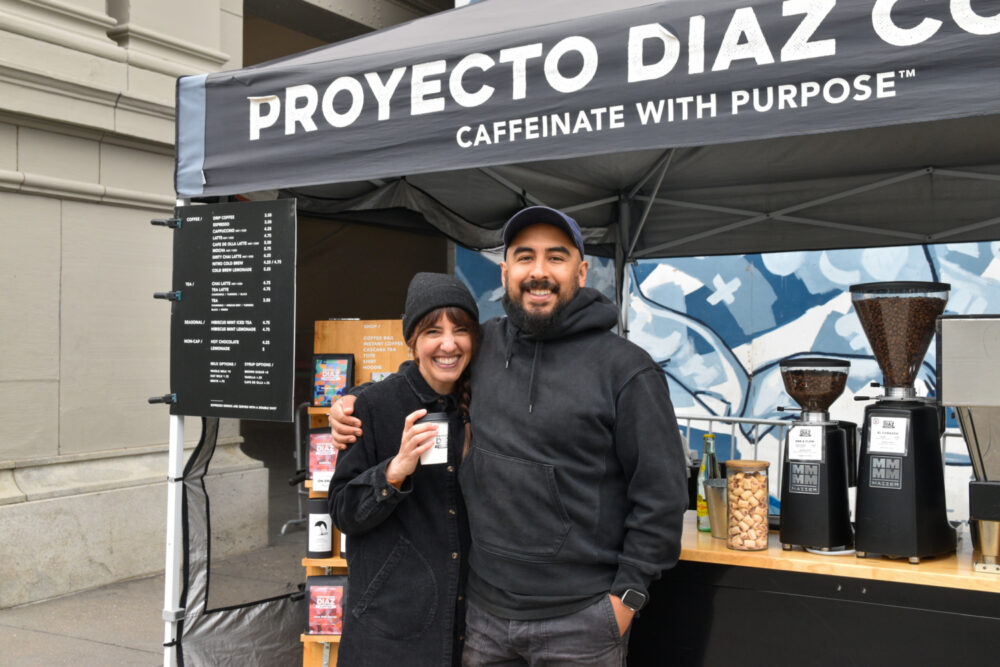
x,y
172,611
172,574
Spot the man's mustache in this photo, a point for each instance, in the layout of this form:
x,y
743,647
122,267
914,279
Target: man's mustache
x,y
529,285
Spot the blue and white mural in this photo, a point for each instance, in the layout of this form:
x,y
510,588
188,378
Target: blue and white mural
x,y
719,326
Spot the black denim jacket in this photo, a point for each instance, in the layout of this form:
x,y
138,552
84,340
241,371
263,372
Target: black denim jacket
x,y
406,548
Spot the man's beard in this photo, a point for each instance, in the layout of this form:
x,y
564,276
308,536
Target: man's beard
x,y
541,324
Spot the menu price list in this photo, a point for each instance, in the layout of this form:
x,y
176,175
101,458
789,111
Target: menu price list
x,y
232,337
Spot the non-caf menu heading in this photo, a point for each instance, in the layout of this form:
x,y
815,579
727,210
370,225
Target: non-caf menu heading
x,y
232,331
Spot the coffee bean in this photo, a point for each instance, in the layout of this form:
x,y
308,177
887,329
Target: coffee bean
x,y
899,330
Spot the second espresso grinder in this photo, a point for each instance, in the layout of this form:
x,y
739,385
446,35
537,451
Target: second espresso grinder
x,y
901,510
815,511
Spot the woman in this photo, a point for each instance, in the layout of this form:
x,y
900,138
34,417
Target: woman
x,y
405,521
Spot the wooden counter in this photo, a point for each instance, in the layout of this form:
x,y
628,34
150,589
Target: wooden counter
x,y
773,607
954,571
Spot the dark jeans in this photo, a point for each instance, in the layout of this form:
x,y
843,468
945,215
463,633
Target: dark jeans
x,y
587,637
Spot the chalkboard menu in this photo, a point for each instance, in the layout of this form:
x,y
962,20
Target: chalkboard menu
x,y
232,327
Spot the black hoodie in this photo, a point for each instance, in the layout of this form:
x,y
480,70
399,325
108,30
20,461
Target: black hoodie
x,y
575,483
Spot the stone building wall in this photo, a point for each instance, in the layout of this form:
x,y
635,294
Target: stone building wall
x,y
86,160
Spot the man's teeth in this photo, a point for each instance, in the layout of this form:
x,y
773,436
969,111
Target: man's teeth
x,y
540,292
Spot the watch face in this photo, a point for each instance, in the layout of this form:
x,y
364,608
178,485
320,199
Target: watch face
x,y
633,599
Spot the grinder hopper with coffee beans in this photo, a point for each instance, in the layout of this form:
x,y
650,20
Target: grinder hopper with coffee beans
x,y
815,473
900,509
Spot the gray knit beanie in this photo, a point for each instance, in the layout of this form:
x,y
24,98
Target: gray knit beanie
x,y
428,291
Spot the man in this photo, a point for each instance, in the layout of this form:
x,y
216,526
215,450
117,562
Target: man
x,y
575,481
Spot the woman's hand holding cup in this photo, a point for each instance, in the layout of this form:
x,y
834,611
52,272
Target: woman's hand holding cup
x,y
416,439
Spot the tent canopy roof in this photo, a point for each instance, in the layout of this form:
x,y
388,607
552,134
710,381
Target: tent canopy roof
x,y
837,125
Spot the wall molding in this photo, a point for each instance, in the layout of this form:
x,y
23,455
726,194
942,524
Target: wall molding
x,y
63,25
74,12
63,188
160,52
107,98
101,35
68,475
87,132
88,93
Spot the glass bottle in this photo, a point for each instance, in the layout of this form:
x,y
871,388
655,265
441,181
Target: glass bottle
x,y
709,469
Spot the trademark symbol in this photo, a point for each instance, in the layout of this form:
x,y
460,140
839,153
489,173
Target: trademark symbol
x,y
907,73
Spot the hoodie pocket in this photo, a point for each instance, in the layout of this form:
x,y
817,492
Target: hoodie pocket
x,y
514,508
400,601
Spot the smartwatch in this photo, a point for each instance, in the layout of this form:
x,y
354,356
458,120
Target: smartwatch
x,y
633,599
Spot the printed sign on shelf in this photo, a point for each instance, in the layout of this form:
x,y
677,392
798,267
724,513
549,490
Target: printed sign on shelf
x,y
322,458
326,604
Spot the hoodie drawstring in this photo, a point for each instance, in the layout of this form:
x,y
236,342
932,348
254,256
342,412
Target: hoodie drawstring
x,y
531,379
534,364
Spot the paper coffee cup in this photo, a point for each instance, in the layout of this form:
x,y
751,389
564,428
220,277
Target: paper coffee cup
x,y
439,452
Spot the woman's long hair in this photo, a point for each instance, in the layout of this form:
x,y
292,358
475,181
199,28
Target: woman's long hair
x,y
458,317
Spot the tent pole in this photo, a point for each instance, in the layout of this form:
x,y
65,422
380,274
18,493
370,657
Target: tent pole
x,y
667,156
626,290
918,238
974,175
172,611
624,220
589,204
649,204
960,230
788,209
915,238
528,197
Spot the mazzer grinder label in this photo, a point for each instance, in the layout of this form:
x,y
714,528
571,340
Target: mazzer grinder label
x,y
804,478
886,472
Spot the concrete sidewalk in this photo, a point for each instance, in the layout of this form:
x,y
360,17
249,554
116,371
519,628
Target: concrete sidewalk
x,y
121,623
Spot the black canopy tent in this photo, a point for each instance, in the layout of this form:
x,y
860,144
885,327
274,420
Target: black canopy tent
x,y
670,128
795,125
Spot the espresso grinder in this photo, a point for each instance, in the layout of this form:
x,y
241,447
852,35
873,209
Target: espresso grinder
x,y
900,509
968,372
815,511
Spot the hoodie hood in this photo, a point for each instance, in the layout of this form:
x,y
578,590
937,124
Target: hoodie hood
x,y
588,310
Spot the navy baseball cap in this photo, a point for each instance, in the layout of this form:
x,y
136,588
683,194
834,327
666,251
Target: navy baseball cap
x,y
541,215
